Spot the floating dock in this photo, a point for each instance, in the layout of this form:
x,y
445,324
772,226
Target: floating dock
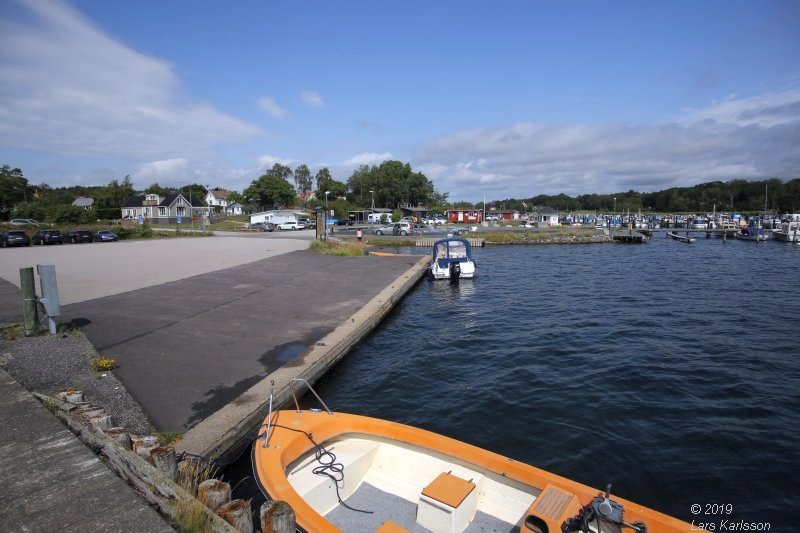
x,y
473,241
629,238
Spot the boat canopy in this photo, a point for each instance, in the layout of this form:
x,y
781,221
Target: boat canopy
x,y
452,250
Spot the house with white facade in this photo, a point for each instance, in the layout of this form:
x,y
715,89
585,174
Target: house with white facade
x,y
155,209
547,217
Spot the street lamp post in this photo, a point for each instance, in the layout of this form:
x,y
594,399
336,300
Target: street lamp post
x,y
372,193
326,214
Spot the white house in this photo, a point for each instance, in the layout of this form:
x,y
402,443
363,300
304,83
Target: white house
x,y
157,209
547,217
234,209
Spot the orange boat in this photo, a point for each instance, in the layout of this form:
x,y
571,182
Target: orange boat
x,y
343,472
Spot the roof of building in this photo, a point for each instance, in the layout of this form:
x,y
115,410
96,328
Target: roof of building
x,y
220,194
83,201
164,201
547,211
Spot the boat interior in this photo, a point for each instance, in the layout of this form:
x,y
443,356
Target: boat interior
x,y
388,481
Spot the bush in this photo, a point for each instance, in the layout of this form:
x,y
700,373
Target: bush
x,y
30,210
69,214
123,232
397,215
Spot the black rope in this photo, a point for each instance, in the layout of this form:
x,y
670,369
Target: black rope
x,y
329,467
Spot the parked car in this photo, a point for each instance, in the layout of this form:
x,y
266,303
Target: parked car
x,y
14,238
292,224
24,222
308,223
105,235
47,236
383,230
79,235
263,226
344,222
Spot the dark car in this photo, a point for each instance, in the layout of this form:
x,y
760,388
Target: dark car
x,y
105,235
263,226
14,238
80,235
344,222
47,236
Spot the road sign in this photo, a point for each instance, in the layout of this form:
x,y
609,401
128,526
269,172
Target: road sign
x,y
180,219
141,219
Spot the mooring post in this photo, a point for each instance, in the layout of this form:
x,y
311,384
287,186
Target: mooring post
x,y
277,517
29,311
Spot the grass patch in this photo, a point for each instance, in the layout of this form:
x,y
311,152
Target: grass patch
x,y
190,516
102,364
50,405
12,332
377,240
169,437
344,249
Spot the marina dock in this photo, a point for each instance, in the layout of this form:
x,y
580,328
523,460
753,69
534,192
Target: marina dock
x,y
473,241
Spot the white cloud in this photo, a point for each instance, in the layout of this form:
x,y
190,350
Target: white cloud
x,y
267,161
271,107
164,171
750,138
68,88
311,99
368,158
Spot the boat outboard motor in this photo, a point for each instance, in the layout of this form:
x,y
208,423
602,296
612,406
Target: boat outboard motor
x,y
605,513
455,270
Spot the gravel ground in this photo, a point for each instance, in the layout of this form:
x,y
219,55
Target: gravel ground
x,y
48,363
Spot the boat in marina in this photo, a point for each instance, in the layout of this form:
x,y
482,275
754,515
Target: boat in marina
x,y
452,259
344,472
676,237
789,230
753,234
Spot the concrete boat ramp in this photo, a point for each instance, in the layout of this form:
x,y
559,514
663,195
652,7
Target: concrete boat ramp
x,y
199,353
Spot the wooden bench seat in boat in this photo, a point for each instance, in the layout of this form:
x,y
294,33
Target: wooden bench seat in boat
x,y
447,504
550,509
391,527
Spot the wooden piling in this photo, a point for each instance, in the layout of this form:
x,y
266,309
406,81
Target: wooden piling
x,y
144,446
102,422
71,395
166,461
237,514
120,436
29,311
214,493
277,517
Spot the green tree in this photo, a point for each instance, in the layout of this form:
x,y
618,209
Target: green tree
x,y
392,182
155,188
196,192
14,188
270,191
302,178
280,171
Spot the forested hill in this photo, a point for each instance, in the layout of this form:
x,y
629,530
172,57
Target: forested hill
x,y
736,195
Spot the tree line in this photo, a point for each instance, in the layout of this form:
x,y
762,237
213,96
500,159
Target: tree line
x,y
735,195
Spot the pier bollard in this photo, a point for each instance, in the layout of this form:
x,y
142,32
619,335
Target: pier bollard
x,y
277,517
166,461
214,493
120,436
30,312
237,514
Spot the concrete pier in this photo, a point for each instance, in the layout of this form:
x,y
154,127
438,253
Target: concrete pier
x,y
52,482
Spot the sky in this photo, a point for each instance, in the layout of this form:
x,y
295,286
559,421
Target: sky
x,y
506,99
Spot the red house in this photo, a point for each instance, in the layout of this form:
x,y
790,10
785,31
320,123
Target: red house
x,y
465,216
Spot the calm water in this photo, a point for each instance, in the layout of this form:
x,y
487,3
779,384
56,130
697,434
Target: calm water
x,y
671,370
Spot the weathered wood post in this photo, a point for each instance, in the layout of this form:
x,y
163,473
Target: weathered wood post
x,y
120,436
237,514
29,311
214,493
277,517
50,299
166,461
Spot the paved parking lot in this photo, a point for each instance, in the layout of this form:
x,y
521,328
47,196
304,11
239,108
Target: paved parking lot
x,y
88,271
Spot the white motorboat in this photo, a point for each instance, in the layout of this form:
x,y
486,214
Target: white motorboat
x,y
452,259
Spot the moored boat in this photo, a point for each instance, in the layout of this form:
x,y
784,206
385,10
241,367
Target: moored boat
x,y
674,236
343,472
452,259
753,234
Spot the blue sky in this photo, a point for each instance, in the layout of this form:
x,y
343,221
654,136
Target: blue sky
x,y
502,99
